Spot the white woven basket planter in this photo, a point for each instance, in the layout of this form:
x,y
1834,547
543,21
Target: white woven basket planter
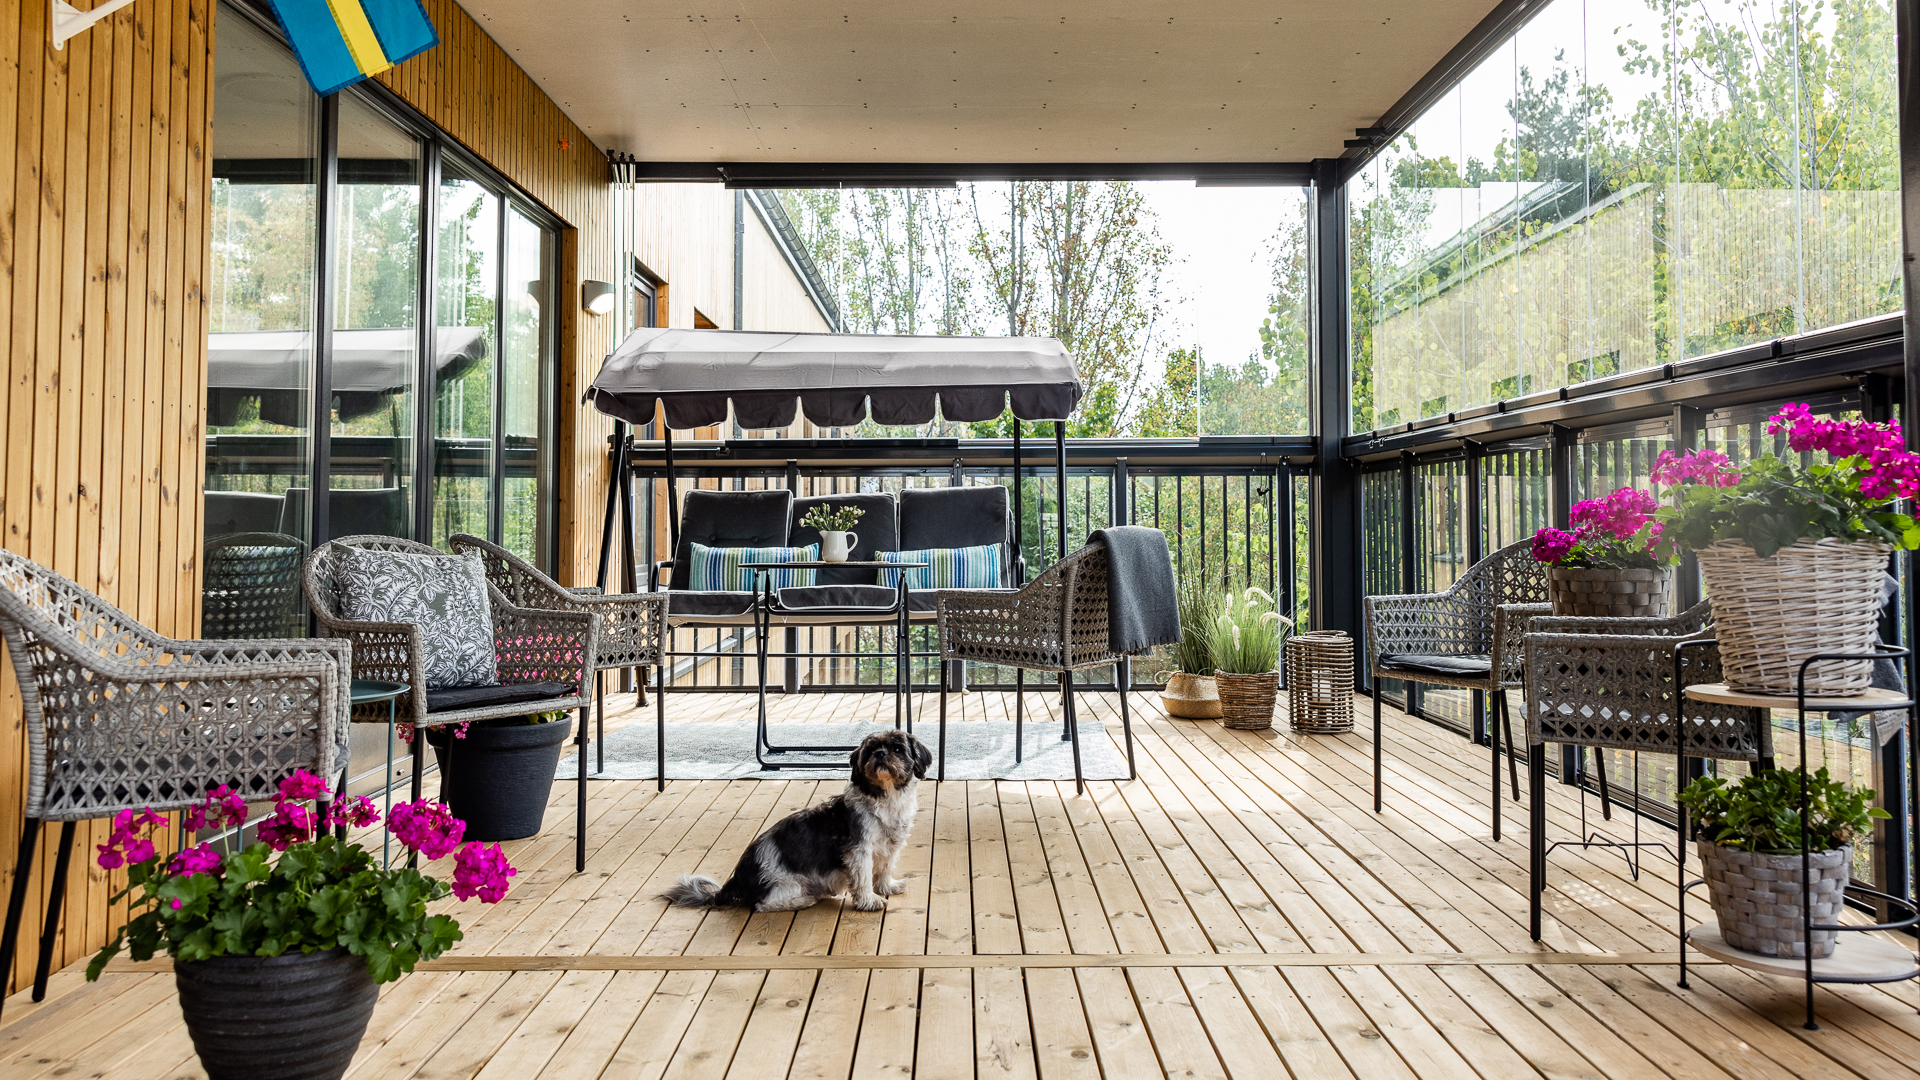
x,y
1757,898
1608,592
1816,596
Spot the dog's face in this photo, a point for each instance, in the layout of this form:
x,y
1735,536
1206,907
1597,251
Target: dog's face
x,y
887,761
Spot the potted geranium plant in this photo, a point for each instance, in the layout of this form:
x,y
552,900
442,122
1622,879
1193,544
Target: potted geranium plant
x,y
278,945
1793,555
496,775
833,523
1606,564
1191,692
1750,845
1247,634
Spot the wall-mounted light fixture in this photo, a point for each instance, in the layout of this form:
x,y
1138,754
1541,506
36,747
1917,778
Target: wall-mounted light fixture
x,y
597,296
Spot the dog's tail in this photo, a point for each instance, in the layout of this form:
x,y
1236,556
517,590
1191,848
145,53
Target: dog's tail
x,y
692,890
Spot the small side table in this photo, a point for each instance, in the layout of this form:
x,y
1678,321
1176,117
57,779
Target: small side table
x,y
373,692
1854,960
763,627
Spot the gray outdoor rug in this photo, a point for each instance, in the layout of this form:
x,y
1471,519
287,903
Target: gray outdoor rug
x,y
976,750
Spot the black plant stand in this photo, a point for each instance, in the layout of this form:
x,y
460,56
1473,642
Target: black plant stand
x,y
1854,960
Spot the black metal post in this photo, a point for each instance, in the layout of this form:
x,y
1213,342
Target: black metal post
x,y
1334,506
616,444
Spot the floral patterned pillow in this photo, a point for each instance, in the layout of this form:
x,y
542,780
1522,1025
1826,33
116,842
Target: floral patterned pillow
x,y
445,594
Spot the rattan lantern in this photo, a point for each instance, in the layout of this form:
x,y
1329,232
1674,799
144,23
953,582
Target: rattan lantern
x,y
1320,682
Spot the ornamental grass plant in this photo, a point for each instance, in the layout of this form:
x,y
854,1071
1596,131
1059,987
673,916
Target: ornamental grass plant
x,y
296,888
1199,604
1247,632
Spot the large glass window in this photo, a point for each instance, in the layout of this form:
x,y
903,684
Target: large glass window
x,y
1623,185
467,303
526,357
260,346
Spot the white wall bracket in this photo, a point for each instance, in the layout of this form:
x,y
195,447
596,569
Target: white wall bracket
x,y
69,21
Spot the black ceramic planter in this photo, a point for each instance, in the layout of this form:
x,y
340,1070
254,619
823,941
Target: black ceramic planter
x,y
292,1017
497,779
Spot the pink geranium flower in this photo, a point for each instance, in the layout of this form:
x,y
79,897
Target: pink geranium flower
x,y
304,785
356,811
479,870
201,859
128,842
427,827
289,824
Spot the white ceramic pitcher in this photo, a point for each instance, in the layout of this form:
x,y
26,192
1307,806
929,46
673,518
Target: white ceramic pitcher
x,y
835,545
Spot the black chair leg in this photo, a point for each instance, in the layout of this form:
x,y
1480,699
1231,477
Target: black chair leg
x,y
660,730
1126,715
56,900
1493,802
1536,832
1606,795
580,801
17,901
639,687
1506,721
1376,746
942,775
599,722
1019,712
1066,697
419,780
1073,734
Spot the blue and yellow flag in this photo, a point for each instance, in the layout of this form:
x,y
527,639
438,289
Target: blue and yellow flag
x,y
340,42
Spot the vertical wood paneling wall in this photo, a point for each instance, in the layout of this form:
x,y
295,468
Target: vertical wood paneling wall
x,y
104,188
470,88
104,185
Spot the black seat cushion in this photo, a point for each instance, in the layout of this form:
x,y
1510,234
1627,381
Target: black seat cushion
x,y
860,597
731,519
710,605
475,697
1457,667
877,530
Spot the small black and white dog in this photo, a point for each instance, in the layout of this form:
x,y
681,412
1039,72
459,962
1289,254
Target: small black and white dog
x,y
846,845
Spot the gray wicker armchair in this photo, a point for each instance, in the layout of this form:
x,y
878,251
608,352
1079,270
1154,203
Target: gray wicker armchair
x,y
1467,636
544,649
1057,623
118,718
633,629
1608,683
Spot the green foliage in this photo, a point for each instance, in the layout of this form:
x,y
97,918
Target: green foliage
x,y
1201,604
315,896
1776,504
827,518
1247,633
1762,812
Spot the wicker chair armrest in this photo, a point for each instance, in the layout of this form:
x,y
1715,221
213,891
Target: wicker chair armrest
x,y
1510,623
581,591
1691,622
541,645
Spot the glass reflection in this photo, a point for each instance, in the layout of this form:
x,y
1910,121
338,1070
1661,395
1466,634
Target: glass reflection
x,y
466,301
376,288
260,339
524,361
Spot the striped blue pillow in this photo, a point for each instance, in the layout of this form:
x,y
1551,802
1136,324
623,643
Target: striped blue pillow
x,y
718,569
947,568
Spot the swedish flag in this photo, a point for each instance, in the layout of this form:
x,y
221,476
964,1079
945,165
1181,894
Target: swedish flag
x,y
340,42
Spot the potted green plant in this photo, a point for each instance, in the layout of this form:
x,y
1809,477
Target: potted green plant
x,y
1793,554
498,774
1606,565
1247,634
833,523
1190,691
279,945
1750,844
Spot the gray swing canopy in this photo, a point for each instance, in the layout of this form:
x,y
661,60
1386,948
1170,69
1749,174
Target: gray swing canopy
x,y
832,378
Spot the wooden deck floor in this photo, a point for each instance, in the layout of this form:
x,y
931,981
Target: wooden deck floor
x,y
1238,911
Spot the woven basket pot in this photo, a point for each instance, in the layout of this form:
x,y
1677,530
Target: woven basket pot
x,y
1191,697
1608,592
1813,597
291,1017
1246,701
1320,682
1757,898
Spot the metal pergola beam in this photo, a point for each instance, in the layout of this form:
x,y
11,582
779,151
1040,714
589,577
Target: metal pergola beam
x,y
810,174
